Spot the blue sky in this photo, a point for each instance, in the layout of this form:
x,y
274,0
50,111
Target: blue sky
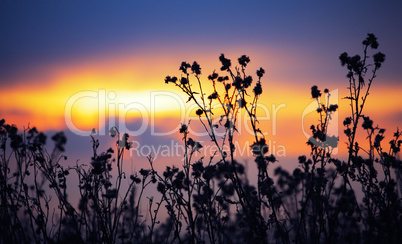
x,y
36,33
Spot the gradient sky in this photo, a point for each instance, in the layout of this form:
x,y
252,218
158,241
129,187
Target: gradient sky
x,y
50,50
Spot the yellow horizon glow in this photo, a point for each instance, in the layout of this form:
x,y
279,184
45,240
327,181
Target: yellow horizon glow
x,y
127,89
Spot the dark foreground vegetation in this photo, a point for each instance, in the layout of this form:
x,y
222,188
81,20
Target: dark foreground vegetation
x,y
210,199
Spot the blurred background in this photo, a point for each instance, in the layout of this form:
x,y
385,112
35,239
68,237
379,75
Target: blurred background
x,y
79,65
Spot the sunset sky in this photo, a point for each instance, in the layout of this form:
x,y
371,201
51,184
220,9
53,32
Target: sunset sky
x,y
59,59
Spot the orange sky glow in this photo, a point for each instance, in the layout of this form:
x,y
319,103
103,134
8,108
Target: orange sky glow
x,y
88,93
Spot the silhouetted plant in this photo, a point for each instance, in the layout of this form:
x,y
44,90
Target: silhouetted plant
x,y
380,192
232,97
